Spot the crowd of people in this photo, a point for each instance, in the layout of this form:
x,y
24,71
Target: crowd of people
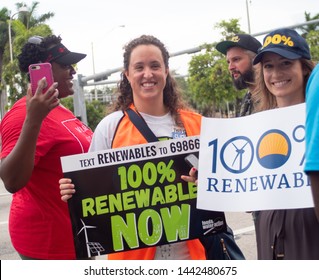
x,y
38,131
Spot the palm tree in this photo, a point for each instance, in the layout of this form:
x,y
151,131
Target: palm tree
x,y
30,20
4,16
29,24
25,26
311,33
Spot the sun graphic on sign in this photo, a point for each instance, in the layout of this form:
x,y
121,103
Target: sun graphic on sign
x,y
273,149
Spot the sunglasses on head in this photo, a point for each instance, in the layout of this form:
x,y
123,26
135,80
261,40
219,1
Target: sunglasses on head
x,y
36,40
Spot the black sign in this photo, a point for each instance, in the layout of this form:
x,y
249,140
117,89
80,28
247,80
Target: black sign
x,y
134,198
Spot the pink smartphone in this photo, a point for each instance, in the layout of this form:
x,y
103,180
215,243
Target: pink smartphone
x,y
37,72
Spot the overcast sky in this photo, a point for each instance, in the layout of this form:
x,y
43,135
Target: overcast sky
x,y
93,27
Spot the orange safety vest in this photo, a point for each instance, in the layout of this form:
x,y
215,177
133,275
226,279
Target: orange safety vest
x,y
128,135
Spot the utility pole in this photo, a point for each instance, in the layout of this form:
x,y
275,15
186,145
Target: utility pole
x,y
248,19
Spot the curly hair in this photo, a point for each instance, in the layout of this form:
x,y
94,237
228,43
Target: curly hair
x,y
172,94
35,52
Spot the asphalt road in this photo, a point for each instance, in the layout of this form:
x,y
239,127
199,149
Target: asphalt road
x,y
6,250
241,223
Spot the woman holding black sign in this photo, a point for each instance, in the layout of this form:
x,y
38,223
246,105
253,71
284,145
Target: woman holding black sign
x,y
148,91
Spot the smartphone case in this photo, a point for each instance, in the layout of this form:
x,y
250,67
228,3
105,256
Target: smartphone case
x,y
37,72
192,160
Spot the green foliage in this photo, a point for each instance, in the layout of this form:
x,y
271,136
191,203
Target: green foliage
x,y
311,33
229,28
11,74
200,83
186,94
310,27
313,41
32,19
18,82
208,88
68,103
209,81
22,28
4,16
95,110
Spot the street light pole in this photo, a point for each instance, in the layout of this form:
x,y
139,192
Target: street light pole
x,y
117,26
248,19
22,9
93,61
3,92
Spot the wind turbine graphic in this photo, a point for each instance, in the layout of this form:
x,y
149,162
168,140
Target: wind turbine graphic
x,y
84,228
240,153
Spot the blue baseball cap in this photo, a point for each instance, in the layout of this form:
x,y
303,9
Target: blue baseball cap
x,y
285,42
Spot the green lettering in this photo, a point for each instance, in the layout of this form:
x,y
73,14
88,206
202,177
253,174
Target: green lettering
x,y
121,171
142,198
115,202
176,222
124,230
88,207
128,200
157,196
134,176
170,193
100,202
149,173
147,216
181,195
192,189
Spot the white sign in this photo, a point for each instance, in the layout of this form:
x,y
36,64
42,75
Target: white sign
x,y
254,162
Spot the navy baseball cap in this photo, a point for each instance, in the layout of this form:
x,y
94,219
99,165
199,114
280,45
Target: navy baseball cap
x,y
244,41
285,42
